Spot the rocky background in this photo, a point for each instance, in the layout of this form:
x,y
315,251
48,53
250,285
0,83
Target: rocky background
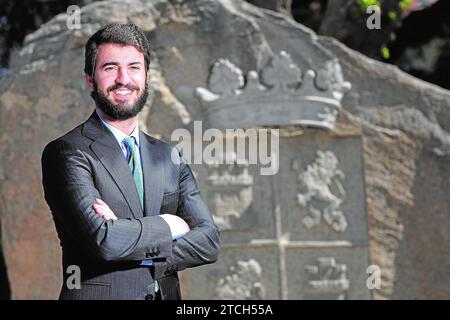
x,y
405,124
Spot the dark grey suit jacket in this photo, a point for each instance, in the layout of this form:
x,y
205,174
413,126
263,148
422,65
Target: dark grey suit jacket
x,y
87,163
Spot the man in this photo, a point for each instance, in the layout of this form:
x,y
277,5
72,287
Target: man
x,y
126,206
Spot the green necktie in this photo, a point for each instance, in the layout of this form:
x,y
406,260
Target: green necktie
x,y
134,162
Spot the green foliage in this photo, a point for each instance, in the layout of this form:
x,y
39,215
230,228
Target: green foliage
x,y
404,4
385,52
392,15
364,4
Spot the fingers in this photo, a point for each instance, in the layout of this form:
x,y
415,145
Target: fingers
x,y
100,201
102,209
104,213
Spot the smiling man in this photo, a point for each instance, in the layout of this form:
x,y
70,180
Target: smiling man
x,y
126,214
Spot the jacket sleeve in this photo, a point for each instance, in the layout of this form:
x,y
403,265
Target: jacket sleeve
x,y
201,244
70,192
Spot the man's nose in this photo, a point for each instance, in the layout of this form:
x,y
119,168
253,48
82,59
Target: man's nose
x,y
122,76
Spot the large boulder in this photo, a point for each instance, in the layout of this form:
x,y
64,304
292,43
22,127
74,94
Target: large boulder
x,y
398,126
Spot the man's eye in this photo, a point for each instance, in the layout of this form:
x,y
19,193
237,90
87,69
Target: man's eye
x,y
135,68
109,68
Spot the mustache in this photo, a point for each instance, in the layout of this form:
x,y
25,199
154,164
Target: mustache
x,y
118,86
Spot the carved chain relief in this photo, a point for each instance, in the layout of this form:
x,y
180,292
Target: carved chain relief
x,y
322,192
244,282
328,276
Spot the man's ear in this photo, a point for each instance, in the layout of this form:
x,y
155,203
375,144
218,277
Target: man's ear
x,y
89,81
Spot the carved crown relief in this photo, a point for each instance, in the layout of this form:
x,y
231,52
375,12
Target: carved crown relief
x,y
277,95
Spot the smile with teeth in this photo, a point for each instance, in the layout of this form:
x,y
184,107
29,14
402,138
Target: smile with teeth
x,y
122,92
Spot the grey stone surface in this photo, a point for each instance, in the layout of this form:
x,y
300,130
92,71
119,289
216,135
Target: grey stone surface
x,y
327,273
252,218
241,273
318,171
390,139
320,199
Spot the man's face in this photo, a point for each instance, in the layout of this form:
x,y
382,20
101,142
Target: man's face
x,y
119,84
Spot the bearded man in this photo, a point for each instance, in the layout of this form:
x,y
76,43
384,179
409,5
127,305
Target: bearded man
x,y
126,206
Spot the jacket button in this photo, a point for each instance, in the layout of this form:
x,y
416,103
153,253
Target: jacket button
x,y
149,297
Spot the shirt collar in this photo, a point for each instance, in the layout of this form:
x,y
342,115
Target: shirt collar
x,y
119,135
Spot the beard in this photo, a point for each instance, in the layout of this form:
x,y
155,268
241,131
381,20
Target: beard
x,y
119,111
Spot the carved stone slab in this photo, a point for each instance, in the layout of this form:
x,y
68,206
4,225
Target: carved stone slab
x,y
241,273
321,189
240,199
301,233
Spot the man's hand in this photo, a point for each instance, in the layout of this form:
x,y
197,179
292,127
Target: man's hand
x,y
102,209
178,226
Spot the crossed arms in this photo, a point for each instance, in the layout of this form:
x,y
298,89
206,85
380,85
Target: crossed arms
x,y
71,194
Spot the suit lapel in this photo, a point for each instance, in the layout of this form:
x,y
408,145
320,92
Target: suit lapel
x,y
109,153
153,171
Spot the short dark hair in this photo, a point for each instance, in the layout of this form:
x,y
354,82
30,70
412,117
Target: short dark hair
x,y
123,34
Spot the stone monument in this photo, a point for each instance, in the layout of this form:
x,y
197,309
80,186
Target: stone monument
x,y
302,231
359,177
